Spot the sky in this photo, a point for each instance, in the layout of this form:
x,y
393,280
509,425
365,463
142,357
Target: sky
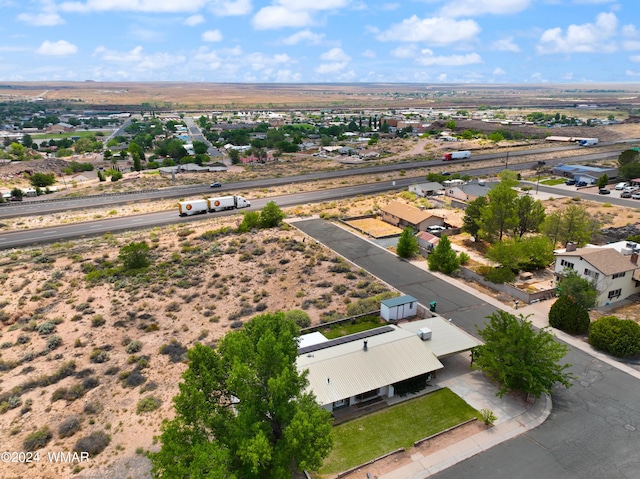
x,y
319,41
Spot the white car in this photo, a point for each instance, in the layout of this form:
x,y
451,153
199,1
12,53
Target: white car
x,y
630,188
435,228
621,186
636,196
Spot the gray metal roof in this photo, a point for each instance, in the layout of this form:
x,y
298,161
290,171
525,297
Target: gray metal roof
x,y
399,300
347,370
446,338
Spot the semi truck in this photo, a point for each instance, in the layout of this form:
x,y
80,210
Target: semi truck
x,y
588,141
194,207
456,155
227,203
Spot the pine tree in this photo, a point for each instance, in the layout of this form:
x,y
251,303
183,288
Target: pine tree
x,y
443,258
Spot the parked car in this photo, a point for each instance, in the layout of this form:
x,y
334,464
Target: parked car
x,y
630,189
604,191
570,182
625,194
435,228
581,183
621,186
215,185
445,173
636,196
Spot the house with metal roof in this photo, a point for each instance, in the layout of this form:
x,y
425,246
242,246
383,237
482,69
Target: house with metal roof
x,y
587,173
430,188
371,365
402,215
613,271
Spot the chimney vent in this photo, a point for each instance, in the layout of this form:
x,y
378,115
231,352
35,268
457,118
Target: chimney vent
x,y
570,246
634,257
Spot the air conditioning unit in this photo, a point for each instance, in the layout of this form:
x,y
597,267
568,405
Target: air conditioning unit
x,y
424,333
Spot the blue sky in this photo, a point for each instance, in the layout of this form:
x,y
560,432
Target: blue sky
x,y
305,41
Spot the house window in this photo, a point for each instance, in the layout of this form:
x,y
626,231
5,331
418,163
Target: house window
x,y
615,293
566,264
368,395
592,274
618,275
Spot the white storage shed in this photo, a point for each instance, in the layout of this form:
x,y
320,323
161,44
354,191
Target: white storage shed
x,y
398,308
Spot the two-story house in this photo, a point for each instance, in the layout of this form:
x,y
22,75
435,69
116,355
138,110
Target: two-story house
x,y
613,269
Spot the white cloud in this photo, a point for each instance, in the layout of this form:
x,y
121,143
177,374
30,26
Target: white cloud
x,y
194,20
151,6
59,48
429,59
41,19
389,7
335,55
634,58
306,36
226,8
631,45
506,45
278,17
326,68
499,72
212,36
107,55
434,31
585,38
404,51
293,13
470,8
369,54
631,73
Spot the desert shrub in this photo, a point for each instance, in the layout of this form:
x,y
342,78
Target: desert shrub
x,y
99,356
23,339
150,386
340,267
176,351
97,321
301,318
261,307
340,288
53,342
132,379
148,404
133,347
58,394
173,307
69,426
45,328
463,258
568,316
619,337
92,408
37,439
94,443
90,383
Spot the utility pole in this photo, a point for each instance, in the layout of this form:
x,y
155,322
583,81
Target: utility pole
x,y
506,162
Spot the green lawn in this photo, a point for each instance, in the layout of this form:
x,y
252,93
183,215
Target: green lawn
x,y
58,136
366,438
553,181
350,328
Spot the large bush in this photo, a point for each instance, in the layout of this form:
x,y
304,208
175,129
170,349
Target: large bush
x,y
569,316
619,337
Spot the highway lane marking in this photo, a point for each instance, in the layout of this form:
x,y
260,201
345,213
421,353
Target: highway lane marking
x,y
49,232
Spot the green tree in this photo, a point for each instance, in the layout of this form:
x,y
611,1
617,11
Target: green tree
x,y
500,214
580,290
603,181
496,137
407,244
200,147
16,193
620,337
250,220
134,255
271,215
530,215
298,316
234,155
101,176
243,410
450,125
443,258
27,140
42,180
573,223
628,156
518,358
537,252
568,316
472,220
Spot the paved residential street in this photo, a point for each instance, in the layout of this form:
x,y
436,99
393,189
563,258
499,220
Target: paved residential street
x,y
592,431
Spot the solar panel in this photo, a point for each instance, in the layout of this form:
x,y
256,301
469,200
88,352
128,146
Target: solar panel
x,y
345,339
